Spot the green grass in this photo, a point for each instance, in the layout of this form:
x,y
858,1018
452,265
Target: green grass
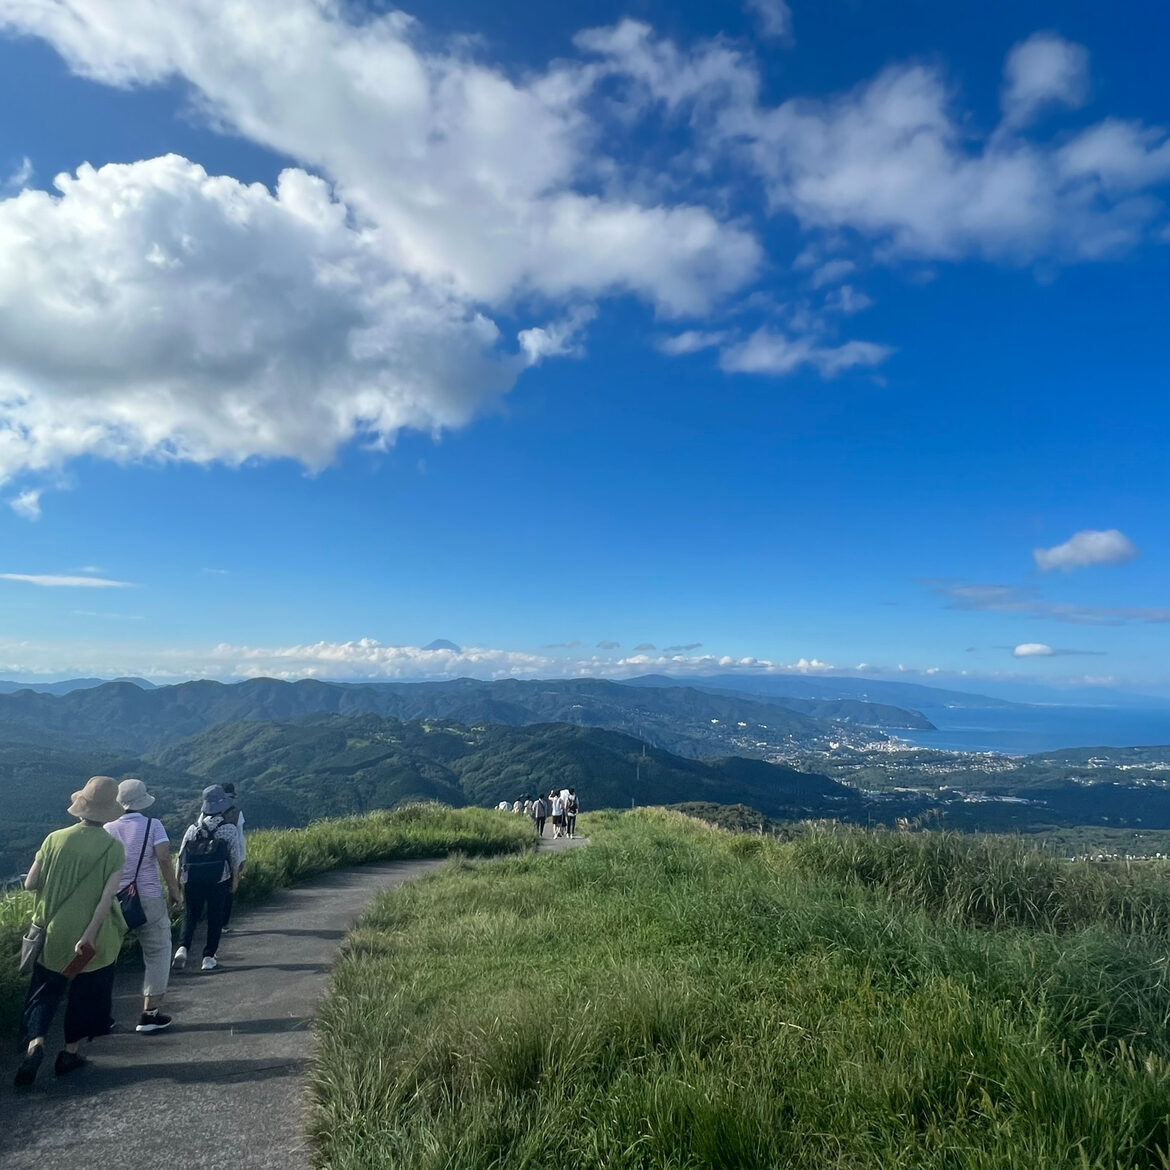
x,y
284,857
678,997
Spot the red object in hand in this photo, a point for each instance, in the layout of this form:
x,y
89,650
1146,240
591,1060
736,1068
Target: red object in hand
x,y
82,954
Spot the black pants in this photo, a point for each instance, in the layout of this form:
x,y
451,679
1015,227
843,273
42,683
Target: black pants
x,y
195,898
227,906
87,1013
571,823
540,826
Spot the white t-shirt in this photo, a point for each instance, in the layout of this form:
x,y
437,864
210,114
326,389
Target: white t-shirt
x,y
558,807
129,829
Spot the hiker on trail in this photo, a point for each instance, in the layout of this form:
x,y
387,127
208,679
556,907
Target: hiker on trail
x,y
235,817
571,808
516,806
209,868
539,813
75,875
148,854
558,813
528,806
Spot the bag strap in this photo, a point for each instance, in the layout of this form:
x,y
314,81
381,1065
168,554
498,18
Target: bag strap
x,y
64,901
142,853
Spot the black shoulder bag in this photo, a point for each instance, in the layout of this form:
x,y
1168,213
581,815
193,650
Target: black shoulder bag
x,y
128,897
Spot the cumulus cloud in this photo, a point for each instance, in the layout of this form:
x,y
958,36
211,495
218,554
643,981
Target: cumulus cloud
x,y
644,647
1033,650
27,504
154,311
1044,70
893,160
1089,547
769,351
1041,650
60,582
150,310
684,649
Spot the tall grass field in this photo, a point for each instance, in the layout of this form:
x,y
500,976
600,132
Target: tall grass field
x,y
281,858
676,997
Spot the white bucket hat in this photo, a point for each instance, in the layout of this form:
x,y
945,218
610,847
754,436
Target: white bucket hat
x,y
133,797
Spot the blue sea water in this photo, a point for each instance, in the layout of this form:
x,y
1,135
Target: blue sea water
x,y
1027,729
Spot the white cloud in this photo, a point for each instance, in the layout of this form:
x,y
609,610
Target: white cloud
x,y
768,351
1090,547
151,310
831,272
19,177
895,160
477,182
847,299
1044,70
163,313
55,582
690,341
27,504
773,17
1033,650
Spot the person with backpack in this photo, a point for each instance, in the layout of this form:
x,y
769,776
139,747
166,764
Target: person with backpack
x,y
148,866
236,817
571,808
76,931
558,813
209,868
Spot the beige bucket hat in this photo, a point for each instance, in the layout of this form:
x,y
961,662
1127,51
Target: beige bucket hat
x,y
133,797
98,800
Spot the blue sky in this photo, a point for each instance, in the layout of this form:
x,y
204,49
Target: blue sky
x,y
598,340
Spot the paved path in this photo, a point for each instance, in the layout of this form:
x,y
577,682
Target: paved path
x,y
225,1087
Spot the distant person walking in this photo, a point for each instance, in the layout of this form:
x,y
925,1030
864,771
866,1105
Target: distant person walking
x,y
235,817
148,865
75,875
539,814
209,868
572,807
558,813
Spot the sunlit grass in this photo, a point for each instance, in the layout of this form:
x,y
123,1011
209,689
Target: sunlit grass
x,y
679,997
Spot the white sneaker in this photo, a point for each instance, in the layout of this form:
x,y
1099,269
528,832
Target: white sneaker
x,y
180,959
209,964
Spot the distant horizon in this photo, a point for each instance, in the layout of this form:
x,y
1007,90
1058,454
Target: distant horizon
x,y
1009,691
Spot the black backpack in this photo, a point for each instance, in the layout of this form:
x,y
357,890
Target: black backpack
x,y
206,854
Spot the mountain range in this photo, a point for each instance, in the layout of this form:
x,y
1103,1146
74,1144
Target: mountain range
x,y
122,716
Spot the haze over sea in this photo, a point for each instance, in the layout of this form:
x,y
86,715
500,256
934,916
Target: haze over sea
x,y
1024,730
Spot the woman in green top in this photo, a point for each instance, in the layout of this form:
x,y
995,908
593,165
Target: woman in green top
x,y
75,876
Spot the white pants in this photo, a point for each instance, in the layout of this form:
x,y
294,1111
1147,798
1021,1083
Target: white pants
x,y
154,937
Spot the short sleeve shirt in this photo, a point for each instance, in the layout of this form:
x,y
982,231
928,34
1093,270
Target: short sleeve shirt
x,y
75,865
130,830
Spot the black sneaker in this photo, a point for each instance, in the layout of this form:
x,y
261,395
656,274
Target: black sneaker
x,y
27,1072
68,1062
153,1021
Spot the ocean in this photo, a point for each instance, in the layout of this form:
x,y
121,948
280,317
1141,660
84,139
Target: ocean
x,y
1021,731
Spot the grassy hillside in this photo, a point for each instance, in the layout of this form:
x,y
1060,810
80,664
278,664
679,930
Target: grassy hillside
x,y
678,997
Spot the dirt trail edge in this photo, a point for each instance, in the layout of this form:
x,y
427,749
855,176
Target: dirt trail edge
x,y
225,1088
